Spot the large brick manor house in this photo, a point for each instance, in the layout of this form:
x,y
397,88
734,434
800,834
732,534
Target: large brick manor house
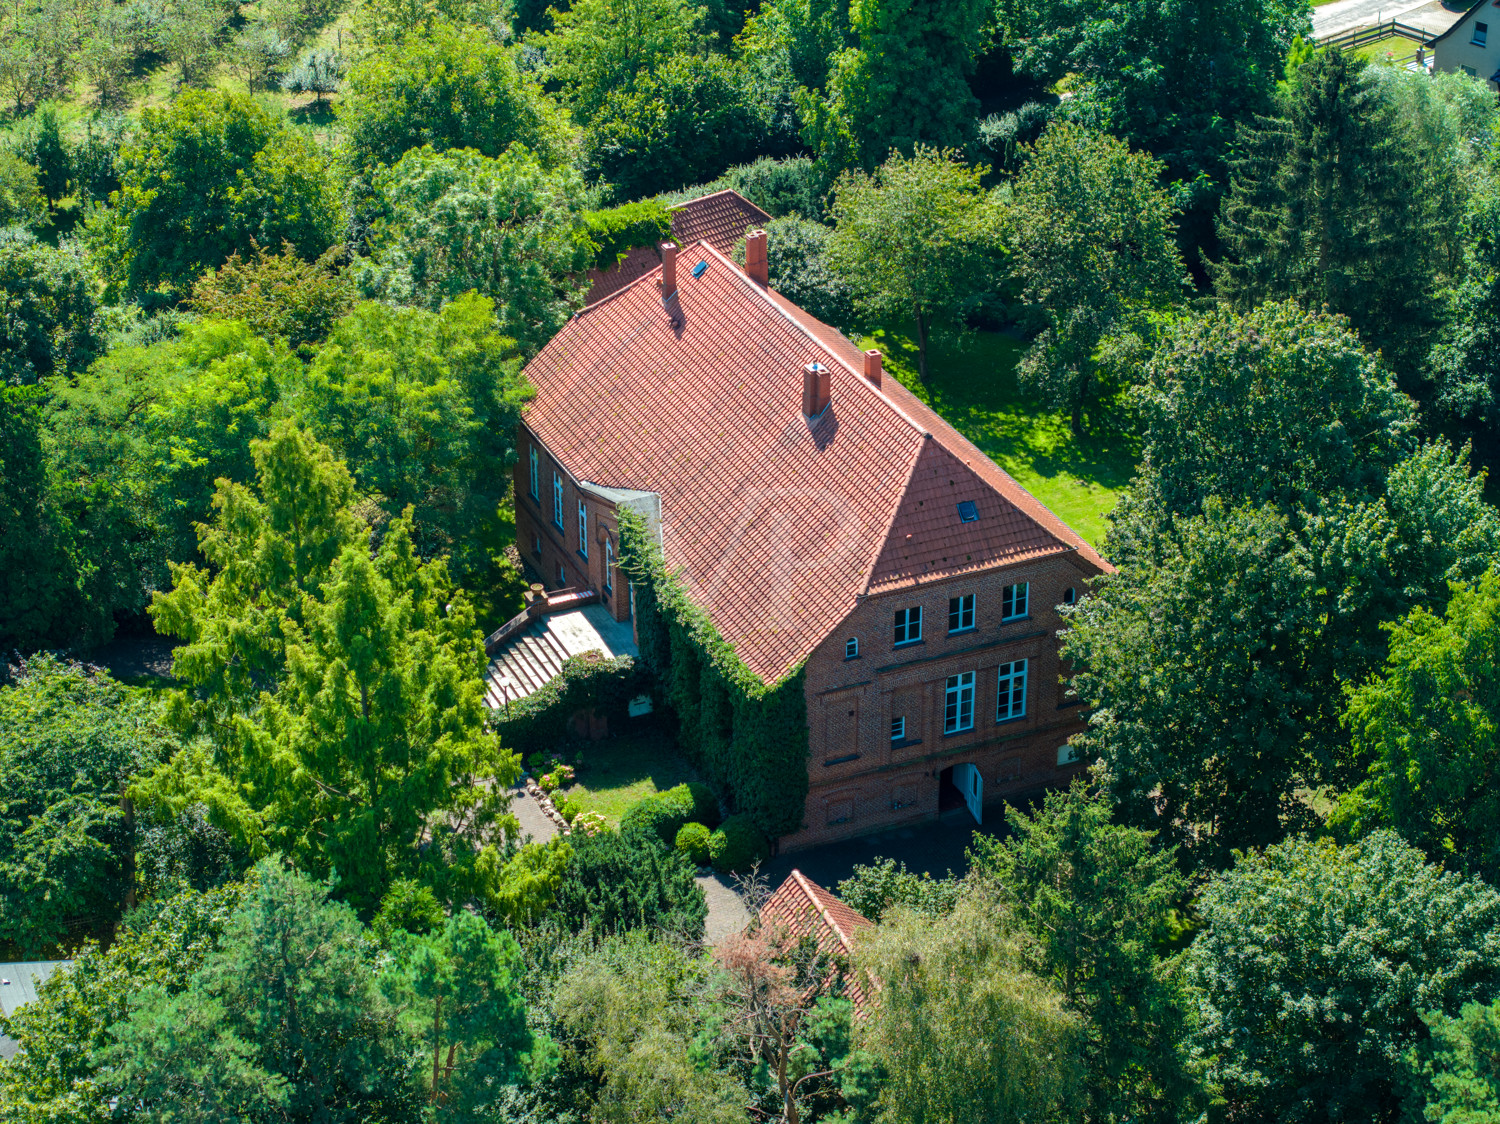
x,y
819,512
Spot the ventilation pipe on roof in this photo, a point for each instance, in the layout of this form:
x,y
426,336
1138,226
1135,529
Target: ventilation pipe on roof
x,y
668,269
816,389
757,264
873,366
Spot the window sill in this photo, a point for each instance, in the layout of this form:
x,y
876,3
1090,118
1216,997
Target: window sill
x,y
963,631
907,644
851,659
844,760
1008,721
1069,704
556,526
609,591
582,555
958,733
905,743
1013,620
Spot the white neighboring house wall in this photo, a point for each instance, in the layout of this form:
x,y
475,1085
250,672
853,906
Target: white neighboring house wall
x,y
1472,45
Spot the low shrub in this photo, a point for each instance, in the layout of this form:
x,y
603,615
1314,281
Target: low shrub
x,y
618,882
658,817
737,845
705,803
692,841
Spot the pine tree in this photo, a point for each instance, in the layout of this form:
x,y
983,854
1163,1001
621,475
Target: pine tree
x,y
1321,208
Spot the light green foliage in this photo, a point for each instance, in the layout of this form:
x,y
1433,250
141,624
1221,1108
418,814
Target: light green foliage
x,y
1428,728
628,1015
458,221
800,38
1461,1069
344,691
1171,77
141,437
423,406
871,890
388,21
616,231
793,187
682,122
465,1005
50,321
45,575
737,845
283,1021
963,1031
407,907
1095,896
918,239
190,34
906,83
618,881
452,87
280,296
56,1077
69,743
207,175
1314,966
1282,516
1092,236
522,889
692,843
21,200
1324,206
598,48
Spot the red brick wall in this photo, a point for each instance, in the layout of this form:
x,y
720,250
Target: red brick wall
x,y
861,781
534,525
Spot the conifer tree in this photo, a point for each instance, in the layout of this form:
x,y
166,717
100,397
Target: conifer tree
x,y
1321,208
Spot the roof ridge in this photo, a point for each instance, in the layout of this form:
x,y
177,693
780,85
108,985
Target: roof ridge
x,y
809,887
715,195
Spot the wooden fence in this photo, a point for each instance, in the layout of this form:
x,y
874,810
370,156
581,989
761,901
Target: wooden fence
x,y
1390,29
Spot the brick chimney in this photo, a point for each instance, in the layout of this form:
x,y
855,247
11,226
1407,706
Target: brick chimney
x,y
873,366
757,265
816,389
668,269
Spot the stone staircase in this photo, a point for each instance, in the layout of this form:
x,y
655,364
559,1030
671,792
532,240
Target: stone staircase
x,y
526,662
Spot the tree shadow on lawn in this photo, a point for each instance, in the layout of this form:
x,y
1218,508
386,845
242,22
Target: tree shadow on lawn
x,y
613,774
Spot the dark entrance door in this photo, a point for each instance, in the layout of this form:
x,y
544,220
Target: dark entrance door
x,y
949,794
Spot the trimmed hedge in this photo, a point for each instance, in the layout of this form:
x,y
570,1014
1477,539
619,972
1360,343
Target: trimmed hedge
x,y
540,721
737,845
748,737
614,232
664,814
692,841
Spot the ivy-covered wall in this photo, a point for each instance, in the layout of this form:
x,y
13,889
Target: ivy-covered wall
x,y
748,738
540,721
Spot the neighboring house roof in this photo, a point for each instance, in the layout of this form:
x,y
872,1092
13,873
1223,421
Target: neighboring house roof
x,y
1463,19
720,219
801,908
778,525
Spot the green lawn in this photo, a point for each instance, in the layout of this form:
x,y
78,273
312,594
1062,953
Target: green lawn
x,y
973,385
613,774
1395,48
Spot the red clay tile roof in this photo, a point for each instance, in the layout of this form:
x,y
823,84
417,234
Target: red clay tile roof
x,y
778,526
720,219
801,908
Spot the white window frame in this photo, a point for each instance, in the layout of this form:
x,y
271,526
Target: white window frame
x,y
905,621
536,486
851,648
898,728
557,493
958,703
1015,601
609,566
1010,691
964,613
583,530
1481,34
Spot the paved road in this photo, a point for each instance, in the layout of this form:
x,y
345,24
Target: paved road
x,y
1345,15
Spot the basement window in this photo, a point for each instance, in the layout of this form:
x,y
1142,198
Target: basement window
x,y
968,511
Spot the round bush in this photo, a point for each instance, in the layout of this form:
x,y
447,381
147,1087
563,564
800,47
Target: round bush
x,y
705,803
655,816
737,845
692,841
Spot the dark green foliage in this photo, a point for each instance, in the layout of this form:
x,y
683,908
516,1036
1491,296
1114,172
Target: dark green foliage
x,y
871,890
629,880
792,187
1095,896
57,1074
207,175
452,87
659,817
1458,1074
21,200
701,798
279,296
408,907
1322,207
748,737
737,845
1427,726
692,841
682,123
537,723
615,231
46,579
69,743
801,272
283,1021
50,319
1315,966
